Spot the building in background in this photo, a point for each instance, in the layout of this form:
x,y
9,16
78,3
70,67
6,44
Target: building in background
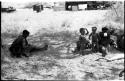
x,y
80,5
59,6
38,7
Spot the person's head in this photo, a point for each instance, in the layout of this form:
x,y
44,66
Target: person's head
x,y
94,29
82,31
104,29
26,33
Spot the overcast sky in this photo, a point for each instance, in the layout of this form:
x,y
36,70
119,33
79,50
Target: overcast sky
x,y
24,1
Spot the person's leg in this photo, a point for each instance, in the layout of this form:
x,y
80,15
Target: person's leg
x,y
35,48
18,52
104,51
77,49
11,52
82,48
24,54
14,52
93,47
97,47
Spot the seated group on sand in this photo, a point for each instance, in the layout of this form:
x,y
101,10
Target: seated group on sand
x,y
100,43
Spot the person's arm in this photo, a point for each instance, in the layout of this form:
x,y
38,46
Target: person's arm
x,y
109,36
90,35
99,37
87,32
24,43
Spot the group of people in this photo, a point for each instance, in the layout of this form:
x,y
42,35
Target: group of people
x,y
99,43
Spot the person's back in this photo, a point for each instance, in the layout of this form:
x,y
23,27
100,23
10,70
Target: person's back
x,y
19,44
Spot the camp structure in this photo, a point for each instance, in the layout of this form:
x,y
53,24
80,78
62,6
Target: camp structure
x,y
38,7
80,5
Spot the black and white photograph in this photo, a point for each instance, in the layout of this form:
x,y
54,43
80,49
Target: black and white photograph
x,y
79,40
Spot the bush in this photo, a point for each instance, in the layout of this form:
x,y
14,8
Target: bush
x,y
116,13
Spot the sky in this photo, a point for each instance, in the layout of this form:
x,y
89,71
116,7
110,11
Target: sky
x,y
21,3
24,1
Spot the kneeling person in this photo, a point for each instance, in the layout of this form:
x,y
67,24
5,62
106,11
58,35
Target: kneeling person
x,y
20,45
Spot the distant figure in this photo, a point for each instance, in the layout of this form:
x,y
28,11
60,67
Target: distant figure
x,y
83,42
95,40
20,46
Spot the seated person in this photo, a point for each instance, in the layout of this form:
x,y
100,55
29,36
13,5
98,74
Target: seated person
x,y
20,45
83,42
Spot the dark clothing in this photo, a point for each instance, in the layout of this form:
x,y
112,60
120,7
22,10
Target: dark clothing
x,y
20,42
104,42
104,38
18,46
120,42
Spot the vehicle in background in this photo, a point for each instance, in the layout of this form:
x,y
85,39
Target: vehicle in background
x,y
8,10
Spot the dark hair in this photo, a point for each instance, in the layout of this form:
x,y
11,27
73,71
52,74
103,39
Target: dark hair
x,y
104,29
81,29
94,28
26,32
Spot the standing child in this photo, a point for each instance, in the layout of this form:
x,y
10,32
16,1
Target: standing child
x,y
95,39
104,41
83,41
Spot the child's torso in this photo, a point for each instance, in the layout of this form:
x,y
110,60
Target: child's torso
x,y
94,37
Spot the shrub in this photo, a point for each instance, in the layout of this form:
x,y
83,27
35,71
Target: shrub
x,y
116,13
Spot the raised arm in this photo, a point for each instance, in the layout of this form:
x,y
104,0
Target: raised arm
x,y
90,35
87,32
